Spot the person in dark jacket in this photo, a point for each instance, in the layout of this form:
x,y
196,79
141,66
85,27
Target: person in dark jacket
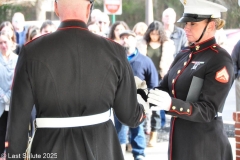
x,y
18,22
236,63
194,90
73,77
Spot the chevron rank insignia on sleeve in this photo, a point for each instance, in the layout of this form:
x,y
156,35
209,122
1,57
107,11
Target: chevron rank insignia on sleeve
x,y
222,75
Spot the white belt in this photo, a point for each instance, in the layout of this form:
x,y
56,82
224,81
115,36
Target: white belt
x,y
73,121
218,114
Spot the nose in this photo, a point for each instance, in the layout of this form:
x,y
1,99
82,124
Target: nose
x,y
186,28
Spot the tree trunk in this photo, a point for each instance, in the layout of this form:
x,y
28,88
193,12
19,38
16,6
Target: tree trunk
x,y
40,11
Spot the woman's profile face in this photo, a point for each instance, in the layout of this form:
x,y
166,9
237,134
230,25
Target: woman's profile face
x,y
119,28
5,43
154,36
194,30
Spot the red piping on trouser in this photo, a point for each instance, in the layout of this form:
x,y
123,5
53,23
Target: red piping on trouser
x,y
171,139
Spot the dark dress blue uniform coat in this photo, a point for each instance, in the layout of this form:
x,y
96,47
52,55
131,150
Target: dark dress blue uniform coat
x,y
69,73
197,132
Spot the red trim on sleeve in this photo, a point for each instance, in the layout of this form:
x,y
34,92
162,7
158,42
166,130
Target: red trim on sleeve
x,y
171,137
182,113
6,144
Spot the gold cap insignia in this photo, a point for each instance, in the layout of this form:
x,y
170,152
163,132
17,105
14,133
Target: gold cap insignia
x,y
185,2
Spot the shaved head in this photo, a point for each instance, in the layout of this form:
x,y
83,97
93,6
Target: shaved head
x,y
73,9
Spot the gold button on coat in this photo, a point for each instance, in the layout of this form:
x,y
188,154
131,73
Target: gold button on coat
x,y
173,107
173,80
181,109
197,48
188,110
178,71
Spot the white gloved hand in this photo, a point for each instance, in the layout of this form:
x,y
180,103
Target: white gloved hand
x,y
161,99
141,84
138,82
144,103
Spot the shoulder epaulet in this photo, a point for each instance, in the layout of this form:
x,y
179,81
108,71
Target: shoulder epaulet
x,y
215,47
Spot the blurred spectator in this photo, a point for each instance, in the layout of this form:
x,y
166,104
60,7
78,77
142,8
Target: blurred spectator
x,y
18,22
8,27
144,69
32,33
221,38
103,21
161,50
8,60
95,13
115,30
175,33
94,28
47,27
139,29
236,63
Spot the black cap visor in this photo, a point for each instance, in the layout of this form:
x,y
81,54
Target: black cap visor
x,y
193,18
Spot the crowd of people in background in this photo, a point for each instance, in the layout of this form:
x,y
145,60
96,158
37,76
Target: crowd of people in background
x,y
12,36
157,44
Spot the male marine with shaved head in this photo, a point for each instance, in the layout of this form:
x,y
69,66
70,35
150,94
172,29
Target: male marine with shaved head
x,y
74,78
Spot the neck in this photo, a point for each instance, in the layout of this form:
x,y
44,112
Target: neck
x,y
6,55
155,45
73,18
169,27
204,40
20,29
131,51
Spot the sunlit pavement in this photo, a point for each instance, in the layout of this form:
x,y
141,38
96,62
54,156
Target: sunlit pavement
x,y
159,152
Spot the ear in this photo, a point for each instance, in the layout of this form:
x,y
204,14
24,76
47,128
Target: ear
x,y
89,6
211,26
56,8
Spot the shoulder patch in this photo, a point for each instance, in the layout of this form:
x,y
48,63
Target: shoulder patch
x,y
222,75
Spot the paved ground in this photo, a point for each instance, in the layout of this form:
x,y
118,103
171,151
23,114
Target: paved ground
x,y
159,152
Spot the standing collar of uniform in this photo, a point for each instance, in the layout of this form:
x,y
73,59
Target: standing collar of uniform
x,y
203,45
73,23
130,57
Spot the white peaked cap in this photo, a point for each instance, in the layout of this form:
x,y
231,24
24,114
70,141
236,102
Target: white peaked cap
x,y
198,10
